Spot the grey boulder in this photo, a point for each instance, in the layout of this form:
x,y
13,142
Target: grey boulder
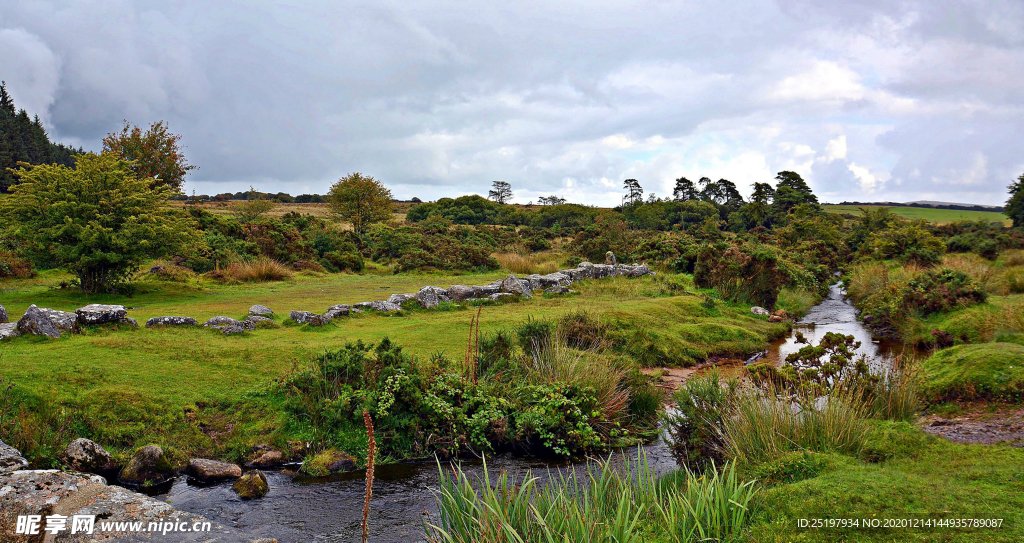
x,y
205,470
760,311
222,321
384,306
260,311
100,313
9,330
87,455
301,317
11,459
148,466
459,293
171,321
399,299
429,297
3,315
339,310
320,320
36,322
513,285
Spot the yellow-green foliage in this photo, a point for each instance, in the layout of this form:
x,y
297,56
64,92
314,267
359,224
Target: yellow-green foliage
x,y
988,371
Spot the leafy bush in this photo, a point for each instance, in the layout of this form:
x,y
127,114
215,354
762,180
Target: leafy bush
x,y
908,242
695,427
752,273
12,266
940,291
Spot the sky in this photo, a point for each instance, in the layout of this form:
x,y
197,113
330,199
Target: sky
x,y
869,100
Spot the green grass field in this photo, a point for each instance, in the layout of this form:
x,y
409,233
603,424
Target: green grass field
x,y
939,216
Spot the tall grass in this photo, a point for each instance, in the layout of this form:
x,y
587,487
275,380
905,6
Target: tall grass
x,y
526,264
896,396
615,503
257,270
767,424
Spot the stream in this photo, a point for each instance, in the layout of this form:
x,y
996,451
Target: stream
x,y
299,509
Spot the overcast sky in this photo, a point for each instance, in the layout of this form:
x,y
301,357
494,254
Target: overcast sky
x,y
868,100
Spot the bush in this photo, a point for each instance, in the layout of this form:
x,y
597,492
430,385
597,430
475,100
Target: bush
x,y
695,428
752,273
12,266
989,371
908,242
257,270
941,291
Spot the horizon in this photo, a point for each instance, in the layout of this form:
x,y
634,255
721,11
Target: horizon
x,y
867,101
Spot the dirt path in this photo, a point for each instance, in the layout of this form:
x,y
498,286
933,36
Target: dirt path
x,y
985,424
670,379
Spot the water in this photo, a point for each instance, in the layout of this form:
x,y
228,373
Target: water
x,y
300,509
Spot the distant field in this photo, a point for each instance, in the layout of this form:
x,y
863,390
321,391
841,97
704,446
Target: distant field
x,y
939,216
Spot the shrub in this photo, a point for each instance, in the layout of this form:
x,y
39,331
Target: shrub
x,y
695,428
940,291
257,270
12,266
751,273
908,242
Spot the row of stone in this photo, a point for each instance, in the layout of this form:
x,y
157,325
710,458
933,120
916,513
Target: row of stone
x,y
51,322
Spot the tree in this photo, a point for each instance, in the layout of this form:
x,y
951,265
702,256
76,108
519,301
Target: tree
x,y
155,154
550,200
685,190
792,191
360,200
23,139
98,220
763,194
501,192
253,207
634,192
1015,205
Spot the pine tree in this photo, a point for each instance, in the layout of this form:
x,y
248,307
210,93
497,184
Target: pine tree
x,y
24,139
685,190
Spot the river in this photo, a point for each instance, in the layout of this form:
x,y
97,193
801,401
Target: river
x,y
301,509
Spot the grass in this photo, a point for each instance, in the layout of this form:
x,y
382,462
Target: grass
x,y
621,503
938,216
542,263
987,371
258,270
204,392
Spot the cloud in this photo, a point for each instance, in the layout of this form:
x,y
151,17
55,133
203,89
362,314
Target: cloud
x,y
867,97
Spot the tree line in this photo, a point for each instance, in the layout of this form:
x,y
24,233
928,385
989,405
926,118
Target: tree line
x,y
23,139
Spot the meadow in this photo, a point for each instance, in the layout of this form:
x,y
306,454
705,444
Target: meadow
x,y
929,214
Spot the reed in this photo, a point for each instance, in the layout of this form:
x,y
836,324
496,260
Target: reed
x,y
526,264
257,270
607,502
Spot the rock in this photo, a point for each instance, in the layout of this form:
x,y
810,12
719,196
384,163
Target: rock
x,y
99,313
10,460
260,311
361,306
37,323
222,321
338,310
268,459
252,485
385,306
487,290
775,318
586,269
156,269
609,258
128,321
459,293
399,299
513,285
88,456
760,311
205,470
557,289
499,295
235,329
320,320
9,330
148,466
600,271
328,462
171,321
3,315
429,297
555,279
257,321
633,270
64,320
301,317
782,314
51,492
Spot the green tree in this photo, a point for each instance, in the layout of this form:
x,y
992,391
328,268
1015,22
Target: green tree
x,y
360,200
685,190
255,206
792,191
155,154
501,192
1015,205
634,192
98,220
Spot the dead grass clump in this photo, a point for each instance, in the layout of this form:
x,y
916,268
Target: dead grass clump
x,y
258,270
527,264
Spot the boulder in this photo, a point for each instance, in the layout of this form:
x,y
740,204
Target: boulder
x,y
267,459
37,323
399,299
336,311
557,289
328,462
171,321
9,330
301,317
320,320
66,321
555,279
205,470
11,459
487,290
586,269
3,315
148,466
633,270
513,285
759,311
782,314
100,313
385,306
361,306
459,293
609,259
260,311
775,318
87,455
251,485
128,321
429,297
499,295
222,321
600,271
257,321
